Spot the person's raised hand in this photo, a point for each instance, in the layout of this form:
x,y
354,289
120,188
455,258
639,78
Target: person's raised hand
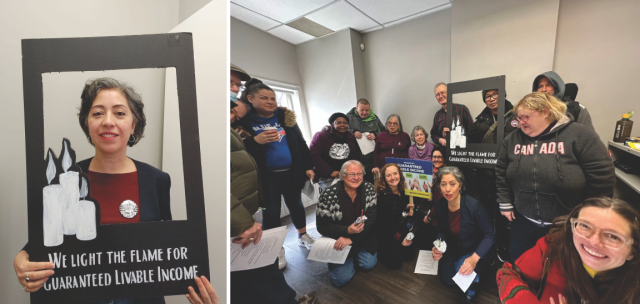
x,y
375,171
267,136
437,255
355,228
207,293
444,131
509,215
357,134
252,235
371,136
37,272
341,243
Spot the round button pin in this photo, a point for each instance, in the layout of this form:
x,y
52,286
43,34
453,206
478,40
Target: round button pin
x,y
128,209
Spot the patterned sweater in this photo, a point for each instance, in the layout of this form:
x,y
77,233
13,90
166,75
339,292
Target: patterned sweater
x,y
329,215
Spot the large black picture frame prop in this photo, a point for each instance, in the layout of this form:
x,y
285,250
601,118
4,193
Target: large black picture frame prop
x,y
116,53
476,155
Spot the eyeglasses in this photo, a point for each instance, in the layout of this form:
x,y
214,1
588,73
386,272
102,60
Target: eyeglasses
x,y
441,94
437,157
524,118
608,238
352,175
392,123
489,97
239,85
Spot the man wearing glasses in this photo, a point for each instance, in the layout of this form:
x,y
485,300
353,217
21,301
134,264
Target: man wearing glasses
x,y
439,128
484,130
346,212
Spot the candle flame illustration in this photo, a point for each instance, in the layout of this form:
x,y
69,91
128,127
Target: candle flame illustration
x,y
51,168
84,189
66,158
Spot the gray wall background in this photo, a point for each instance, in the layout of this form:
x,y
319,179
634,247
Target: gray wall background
x,y
66,18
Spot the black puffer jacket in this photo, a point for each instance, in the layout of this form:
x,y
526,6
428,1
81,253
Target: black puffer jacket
x,y
485,120
300,156
545,178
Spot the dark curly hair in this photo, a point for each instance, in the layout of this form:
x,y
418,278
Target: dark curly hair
x,y
91,89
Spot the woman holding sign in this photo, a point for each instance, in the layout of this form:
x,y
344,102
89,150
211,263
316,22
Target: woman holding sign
x,y
466,229
396,226
390,143
128,191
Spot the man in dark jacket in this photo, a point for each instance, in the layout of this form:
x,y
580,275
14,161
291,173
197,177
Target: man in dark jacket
x,y
551,83
340,206
484,130
363,120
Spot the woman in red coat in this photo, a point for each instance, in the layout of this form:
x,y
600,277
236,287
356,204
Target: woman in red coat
x,y
590,256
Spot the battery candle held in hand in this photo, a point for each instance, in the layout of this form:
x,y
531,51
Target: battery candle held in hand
x,y
440,245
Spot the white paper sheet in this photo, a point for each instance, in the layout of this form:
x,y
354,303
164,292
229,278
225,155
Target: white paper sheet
x,y
426,264
464,281
366,146
260,255
322,251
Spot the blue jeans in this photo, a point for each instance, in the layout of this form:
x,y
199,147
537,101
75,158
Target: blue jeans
x,y
341,274
524,235
450,264
281,184
262,285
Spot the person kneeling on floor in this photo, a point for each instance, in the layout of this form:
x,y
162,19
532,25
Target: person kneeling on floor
x,y
339,207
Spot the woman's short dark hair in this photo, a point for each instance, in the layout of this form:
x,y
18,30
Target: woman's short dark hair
x,y
457,174
91,89
439,150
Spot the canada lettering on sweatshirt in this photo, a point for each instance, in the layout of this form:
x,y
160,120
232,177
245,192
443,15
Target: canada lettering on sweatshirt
x,y
545,148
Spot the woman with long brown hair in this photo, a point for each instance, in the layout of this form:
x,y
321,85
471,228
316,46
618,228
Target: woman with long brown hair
x,y
590,256
395,225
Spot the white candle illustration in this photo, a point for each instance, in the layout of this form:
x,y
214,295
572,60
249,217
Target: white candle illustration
x,y
52,208
463,139
86,220
70,193
453,138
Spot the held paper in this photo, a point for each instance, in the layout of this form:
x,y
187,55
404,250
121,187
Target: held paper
x,y
464,281
426,264
322,251
260,255
366,146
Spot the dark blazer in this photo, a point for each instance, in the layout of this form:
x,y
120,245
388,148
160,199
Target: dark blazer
x,y
477,233
154,185
155,203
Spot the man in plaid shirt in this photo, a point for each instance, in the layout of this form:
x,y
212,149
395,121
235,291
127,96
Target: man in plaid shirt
x,y
440,118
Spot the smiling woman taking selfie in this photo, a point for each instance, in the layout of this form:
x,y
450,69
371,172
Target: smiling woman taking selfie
x,y
590,256
546,167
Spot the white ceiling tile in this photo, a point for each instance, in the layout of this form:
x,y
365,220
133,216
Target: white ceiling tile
x,y
290,34
282,10
252,18
385,11
427,12
341,15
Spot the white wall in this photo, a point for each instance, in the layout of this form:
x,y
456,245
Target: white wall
x,y
209,28
598,48
326,66
515,38
402,64
186,8
49,19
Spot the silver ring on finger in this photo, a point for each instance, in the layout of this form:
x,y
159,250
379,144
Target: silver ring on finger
x,y
27,279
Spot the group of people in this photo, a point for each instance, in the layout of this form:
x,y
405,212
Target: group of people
x,y
545,209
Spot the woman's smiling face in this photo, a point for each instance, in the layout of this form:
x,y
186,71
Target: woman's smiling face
x,y
110,121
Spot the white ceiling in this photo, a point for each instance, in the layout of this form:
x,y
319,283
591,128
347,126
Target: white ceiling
x,y
272,16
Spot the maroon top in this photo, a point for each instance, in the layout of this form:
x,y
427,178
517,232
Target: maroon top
x,y
388,145
110,190
352,210
454,223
